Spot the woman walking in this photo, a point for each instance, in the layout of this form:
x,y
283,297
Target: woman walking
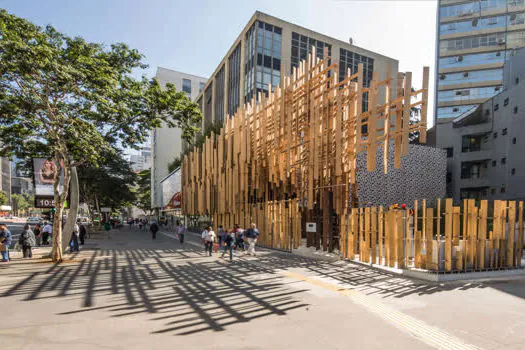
x,y
180,230
27,241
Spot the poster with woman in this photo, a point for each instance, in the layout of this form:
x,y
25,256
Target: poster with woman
x,y
45,172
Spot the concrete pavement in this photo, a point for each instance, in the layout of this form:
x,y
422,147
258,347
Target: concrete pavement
x,y
128,291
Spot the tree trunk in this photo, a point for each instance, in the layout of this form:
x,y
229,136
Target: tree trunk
x,y
73,208
60,198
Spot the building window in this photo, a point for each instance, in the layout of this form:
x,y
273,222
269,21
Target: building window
x,y
506,102
513,171
494,163
493,191
504,131
186,86
503,160
514,141
471,143
515,109
517,80
449,177
495,135
450,152
496,107
503,189
201,86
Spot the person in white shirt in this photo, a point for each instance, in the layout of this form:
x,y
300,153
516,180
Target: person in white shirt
x,y
210,239
204,235
47,230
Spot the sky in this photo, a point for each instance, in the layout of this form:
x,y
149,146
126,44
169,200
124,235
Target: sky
x,y
193,36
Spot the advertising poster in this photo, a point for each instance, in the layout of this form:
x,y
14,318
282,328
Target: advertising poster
x,y
45,172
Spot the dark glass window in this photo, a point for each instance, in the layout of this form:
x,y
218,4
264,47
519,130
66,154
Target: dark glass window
x,y
517,80
503,160
234,72
450,152
516,110
494,163
496,107
186,85
201,86
503,189
514,141
492,191
506,102
495,135
513,171
219,96
504,131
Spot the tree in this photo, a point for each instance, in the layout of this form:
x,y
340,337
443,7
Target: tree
x,y
143,201
74,102
3,198
20,203
117,189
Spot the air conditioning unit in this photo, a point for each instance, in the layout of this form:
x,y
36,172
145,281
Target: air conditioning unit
x,y
455,109
460,58
465,74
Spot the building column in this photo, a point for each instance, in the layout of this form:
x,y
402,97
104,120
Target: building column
x,y
213,93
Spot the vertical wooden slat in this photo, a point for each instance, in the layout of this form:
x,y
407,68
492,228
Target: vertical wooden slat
x,y
448,234
511,233
373,238
429,235
482,233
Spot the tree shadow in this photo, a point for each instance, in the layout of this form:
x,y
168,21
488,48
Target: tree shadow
x,y
188,295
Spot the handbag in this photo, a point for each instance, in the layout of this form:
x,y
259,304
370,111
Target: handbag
x,y
2,247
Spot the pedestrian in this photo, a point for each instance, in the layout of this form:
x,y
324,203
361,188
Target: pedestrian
x,y
204,235
130,223
239,237
5,242
180,230
46,233
154,228
210,239
252,234
27,240
82,232
73,241
38,234
229,241
221,234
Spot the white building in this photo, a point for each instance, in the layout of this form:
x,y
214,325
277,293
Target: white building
x,y
166,143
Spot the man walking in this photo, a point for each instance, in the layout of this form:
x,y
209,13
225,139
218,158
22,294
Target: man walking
x,y
252,234
27,241
73,242
5,242
210,239
46,233
82,232
154,228
229,240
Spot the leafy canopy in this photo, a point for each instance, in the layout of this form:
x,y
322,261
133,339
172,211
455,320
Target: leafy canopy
x,y
66,98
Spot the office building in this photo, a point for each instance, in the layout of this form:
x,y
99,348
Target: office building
x,y
474,40
265,50
485,145
166,143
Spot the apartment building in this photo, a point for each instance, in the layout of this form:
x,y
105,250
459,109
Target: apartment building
x,y
265,50
485,145
474,40
166,143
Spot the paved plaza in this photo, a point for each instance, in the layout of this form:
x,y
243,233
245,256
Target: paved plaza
x,y
127,291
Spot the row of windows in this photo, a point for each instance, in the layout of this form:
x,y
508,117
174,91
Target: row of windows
x,y
186,86
478,6
474,59
470,77
482,23
302,46
351,60
468,94
451,112
511,39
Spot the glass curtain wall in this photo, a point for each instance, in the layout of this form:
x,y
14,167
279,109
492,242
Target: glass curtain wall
x,y
349,59
262,59
302,46
219,96
234,80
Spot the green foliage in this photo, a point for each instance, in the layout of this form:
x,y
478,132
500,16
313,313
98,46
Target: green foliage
x,y
175,164
111,183
20,202
3,198
143,200
76,101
